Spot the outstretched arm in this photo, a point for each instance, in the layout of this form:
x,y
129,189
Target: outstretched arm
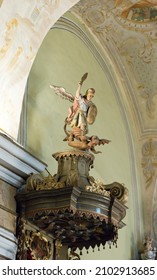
x,y
78,91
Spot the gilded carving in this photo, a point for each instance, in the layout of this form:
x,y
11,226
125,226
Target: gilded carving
x,y
115,189
98,187
73,255
32,245
37,182
58,246
40,247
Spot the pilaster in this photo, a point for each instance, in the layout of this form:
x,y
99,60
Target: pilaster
x,y
16,165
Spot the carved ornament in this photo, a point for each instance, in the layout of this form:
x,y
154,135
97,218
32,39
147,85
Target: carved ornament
x,y
37,182
115,189
32,245
149,160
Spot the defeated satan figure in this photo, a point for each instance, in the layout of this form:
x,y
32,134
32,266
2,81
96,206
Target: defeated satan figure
x,y
81,114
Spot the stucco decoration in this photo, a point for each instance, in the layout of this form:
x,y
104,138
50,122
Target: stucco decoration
x,y
17,51
134,46
149,251
149,160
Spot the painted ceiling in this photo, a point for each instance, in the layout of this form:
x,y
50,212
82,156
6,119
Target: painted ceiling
x,y
127,31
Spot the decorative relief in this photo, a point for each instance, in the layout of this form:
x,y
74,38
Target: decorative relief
x,y
149,251
32,245
129,14
110,20
141,60
145,51
149,160
150,104
40,247
95,15
58,246
73,255
37,182
141,45
138,15
115,189
98,187
133,39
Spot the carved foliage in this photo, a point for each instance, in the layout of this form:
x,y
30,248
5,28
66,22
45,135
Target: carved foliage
x,y
37,182
115,189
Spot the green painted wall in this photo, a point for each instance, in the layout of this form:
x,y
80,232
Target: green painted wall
x,y
62,59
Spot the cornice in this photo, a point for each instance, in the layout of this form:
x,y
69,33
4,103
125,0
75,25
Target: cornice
x,y
16,164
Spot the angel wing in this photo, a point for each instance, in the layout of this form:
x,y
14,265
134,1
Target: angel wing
x,y
62,93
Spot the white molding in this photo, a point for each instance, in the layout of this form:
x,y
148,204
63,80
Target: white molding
x,y
16,164
10,177
8,244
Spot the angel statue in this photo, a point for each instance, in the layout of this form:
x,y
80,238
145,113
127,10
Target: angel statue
x,y
81,114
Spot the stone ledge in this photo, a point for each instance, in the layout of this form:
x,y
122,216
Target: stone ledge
x,y
16,164
8,244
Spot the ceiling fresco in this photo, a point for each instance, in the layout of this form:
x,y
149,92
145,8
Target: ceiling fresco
x,y
127,32
138,10
143,11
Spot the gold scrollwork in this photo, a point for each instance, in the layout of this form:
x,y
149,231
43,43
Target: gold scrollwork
x,y
32,245
37,182
39,246
115,189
